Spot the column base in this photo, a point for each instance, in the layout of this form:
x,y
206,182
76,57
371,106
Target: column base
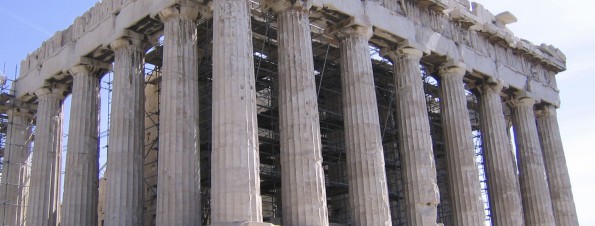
x,y
244,223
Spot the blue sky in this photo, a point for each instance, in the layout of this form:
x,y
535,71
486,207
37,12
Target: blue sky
x,y
26,24
568,25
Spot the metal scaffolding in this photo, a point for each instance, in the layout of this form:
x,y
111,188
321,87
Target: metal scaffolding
x,y
328,80
15,164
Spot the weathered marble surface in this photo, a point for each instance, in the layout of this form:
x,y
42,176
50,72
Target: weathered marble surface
x,y
438,32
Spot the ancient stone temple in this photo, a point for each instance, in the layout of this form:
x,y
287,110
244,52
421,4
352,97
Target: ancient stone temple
x,y
287,112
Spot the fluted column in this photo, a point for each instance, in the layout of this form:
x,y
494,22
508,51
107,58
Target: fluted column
x,y
368,191
82,159
463,174
44,191
555,167
16,152
124,190
302,177
235,179
503,185
415,142
178,180
535,193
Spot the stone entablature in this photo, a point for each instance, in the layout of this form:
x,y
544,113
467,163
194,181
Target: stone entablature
x,y
458,43
455,29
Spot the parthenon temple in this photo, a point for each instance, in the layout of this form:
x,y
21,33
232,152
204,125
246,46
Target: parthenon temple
x,y
285,112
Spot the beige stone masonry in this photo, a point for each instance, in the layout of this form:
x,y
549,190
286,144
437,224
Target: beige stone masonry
x,y
463,174
368,191
415,143
81,179
248,223
535,192
124,173
178,180
18,137
555,167
44,191
303,186
503,185
235,174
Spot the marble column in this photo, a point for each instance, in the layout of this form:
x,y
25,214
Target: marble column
x,y
179,146
302,177
178,180
82,158
16,152
235,178
555,167
535,193
503,185
368,191
124,173
463,174
415,142
44,191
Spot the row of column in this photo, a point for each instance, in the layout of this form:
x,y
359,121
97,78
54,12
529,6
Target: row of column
x,y
235,191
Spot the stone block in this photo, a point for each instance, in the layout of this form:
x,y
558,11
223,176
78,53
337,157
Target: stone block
x,y
245,223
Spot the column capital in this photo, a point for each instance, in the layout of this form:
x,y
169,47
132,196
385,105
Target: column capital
x,y
342,31
452,69
523,101
492,84
546,110
128,39
80,69
90,67
122,43
54,89
402,52
278,6
186,11
408,49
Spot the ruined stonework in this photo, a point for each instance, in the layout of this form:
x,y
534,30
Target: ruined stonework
x,y
301,112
